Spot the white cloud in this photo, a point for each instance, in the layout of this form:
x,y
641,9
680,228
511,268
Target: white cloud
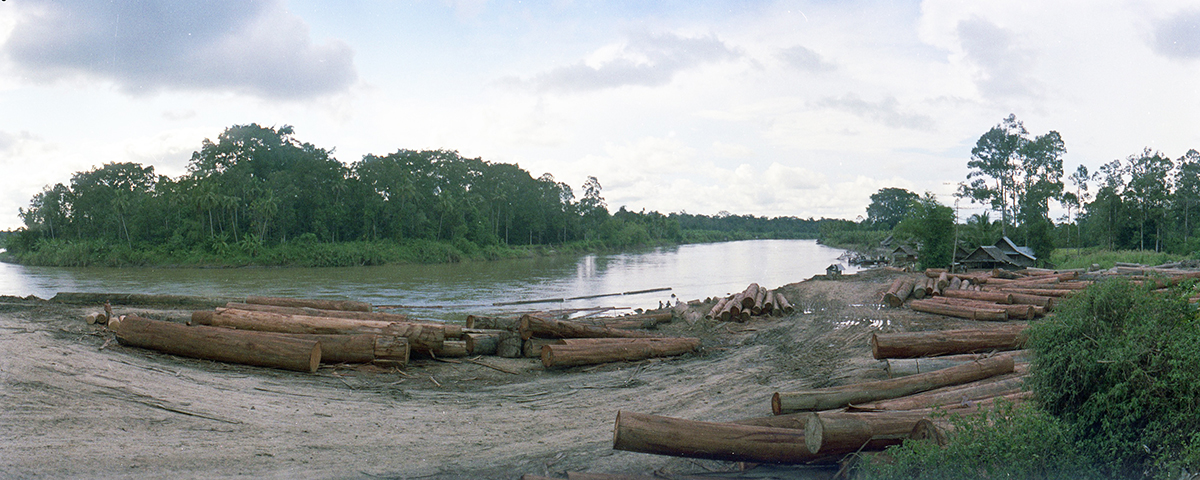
x,y
1178,36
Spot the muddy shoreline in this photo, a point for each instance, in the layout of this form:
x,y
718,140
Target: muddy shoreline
x,y
77,404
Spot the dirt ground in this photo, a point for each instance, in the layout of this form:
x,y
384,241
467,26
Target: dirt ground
x,y
74,403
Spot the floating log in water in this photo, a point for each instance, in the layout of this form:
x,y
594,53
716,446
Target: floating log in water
x,y
637,432
86,298
221,344
960,311
947,342
534,326
837,397
615,351
421,337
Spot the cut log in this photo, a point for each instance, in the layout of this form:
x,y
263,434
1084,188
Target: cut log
x,y
943,281
955,284
716,310
348,305
760,295
899,367
221,344
748,294
784,304
358,348
994,297
639,321
1035,300
637,432
932,430
934,272
1014,311
768,302
629,350
422,338
947,342
960,311
954,395
837,397
918,291
897,298
493,323
482,343
534,326
1045,292
833,433
317,312
451,348
94,318
532,348
510,345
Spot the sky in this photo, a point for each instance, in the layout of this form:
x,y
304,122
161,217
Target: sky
x,y
769,108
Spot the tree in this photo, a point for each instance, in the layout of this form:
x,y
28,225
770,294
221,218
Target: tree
x,y
1187,190
889,206
1147,192
1074,201
931,225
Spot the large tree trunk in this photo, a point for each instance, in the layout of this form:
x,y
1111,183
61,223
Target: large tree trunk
x,y
899,367
960,311
1035,300
358,348
716,310
482,343
311,303
957,394
832,433
610,351
994,297
640,321
837,397
947,342
637,432
1045,292
421,337
221,344
493,323
534,326
784,304
1018,311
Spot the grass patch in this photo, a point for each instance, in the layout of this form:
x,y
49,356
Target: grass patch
x,y
1066,258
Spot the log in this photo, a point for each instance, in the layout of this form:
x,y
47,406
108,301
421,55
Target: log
x,y
637,432
86,298
947,342
967,312
1036,300
357,348
748,294
220,344
639,321
955,284
94,318
482,343
897,298
934,272
943,281
889,296
421,337
348,305
930,283
510,345
534,326
836,433
317,312
784,304
1015,311
899,367
954,395
994,297
768,302
493,323
630,350
1044,292
760,295
837,397
716,310
451,348
937,432
532,348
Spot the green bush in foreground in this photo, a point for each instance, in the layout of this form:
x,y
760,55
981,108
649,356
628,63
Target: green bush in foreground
x,y
1120,366
1007,441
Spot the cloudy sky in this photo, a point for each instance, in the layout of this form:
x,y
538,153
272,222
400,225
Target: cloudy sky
x,y
766,108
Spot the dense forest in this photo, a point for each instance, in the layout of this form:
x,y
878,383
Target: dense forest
x,y
1141,202
258,195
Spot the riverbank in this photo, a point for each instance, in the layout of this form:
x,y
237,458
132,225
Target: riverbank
x,y
311,253
107,410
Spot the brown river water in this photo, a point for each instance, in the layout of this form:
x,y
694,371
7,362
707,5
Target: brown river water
x,y
450,291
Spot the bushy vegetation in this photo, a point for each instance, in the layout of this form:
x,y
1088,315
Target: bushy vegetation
x,y
1068,258
1114,374
257,195
1006,441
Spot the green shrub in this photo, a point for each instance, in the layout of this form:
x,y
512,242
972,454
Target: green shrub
x,y
1007,441
1119,365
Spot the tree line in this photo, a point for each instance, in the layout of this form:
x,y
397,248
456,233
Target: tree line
x,y
1141,202
257,187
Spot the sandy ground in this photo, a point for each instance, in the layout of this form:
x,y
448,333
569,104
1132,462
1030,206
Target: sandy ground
x,y
75,404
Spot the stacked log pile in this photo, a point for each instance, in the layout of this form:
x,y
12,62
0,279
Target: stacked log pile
x,y
751,302
995,295
824,425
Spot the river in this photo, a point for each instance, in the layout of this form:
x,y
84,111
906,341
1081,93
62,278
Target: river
x,y
449,291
